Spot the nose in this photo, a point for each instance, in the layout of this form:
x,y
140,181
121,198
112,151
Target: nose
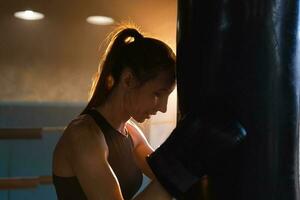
x,y
162,106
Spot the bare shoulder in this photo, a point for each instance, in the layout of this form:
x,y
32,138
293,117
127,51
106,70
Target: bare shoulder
x,y
136,133
83,131
133,127
82,136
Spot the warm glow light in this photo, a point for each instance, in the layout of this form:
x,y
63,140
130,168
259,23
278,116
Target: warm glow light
x,y
100,20
29,15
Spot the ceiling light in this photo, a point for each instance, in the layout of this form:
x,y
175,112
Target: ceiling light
x,y
100,20
29,15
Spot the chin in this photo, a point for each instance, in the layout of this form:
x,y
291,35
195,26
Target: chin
x,y
139,119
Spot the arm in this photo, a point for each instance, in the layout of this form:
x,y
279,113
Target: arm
x,y
141,148
154,191
88,158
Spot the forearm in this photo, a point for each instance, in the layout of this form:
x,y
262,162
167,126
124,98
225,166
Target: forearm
x,y
153,191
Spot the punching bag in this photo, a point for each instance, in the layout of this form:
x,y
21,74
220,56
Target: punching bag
x,y
244,55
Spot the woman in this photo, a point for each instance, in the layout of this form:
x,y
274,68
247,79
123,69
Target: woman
x,y
101,154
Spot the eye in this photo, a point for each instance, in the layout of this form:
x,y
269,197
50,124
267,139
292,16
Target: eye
x,y
157,94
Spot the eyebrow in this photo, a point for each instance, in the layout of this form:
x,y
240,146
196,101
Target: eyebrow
x,y
164,90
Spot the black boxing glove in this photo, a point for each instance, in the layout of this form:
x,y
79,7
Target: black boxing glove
x,y
194,148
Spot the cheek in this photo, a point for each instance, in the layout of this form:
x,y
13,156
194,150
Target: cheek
x,y
141,103
134,103
149,100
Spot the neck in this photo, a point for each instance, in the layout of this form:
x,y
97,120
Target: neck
x,y
113,110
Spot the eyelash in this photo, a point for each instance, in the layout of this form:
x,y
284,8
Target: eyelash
x,y
157,94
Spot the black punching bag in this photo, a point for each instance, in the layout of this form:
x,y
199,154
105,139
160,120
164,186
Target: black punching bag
x,y
244,55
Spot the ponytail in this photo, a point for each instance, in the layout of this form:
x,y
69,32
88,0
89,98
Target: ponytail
x,y
111,67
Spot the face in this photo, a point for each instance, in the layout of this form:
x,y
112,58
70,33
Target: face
x,y
151,97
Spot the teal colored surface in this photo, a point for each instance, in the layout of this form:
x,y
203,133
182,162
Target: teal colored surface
x,y
32,157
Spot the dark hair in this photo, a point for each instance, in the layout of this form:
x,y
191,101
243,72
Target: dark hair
x,y
146,57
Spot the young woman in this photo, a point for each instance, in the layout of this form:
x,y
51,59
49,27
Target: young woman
x,y
101,154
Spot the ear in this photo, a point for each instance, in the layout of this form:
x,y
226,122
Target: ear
x,y
128,80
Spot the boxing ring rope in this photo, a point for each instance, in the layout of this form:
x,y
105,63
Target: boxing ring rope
x,y
12,183
27,133
26,182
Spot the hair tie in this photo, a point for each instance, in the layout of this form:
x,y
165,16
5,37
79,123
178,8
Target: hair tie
x,y
133,36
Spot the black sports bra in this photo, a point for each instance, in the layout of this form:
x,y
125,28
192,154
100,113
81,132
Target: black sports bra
x,y
120,158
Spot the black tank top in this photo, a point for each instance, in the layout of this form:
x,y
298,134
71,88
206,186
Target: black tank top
x,y
120,158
